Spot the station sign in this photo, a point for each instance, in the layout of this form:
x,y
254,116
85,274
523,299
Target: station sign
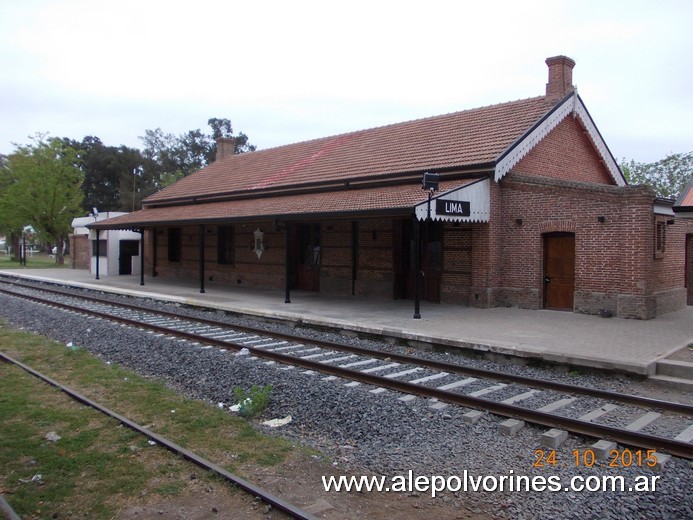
x,y
460,208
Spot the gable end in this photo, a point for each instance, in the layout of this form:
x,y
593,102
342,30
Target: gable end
x,y
570,105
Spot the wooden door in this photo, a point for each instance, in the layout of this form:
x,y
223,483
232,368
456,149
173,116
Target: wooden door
x,y
404,260
559,271
308,257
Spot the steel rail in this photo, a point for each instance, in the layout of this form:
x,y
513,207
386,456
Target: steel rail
x,y
625,437
246,485
633,400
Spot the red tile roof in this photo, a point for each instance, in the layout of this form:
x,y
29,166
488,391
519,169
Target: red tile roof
x,y
684,203
401,198
458,140
687,199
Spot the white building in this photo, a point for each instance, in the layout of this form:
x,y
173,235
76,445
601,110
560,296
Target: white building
x,y
119,251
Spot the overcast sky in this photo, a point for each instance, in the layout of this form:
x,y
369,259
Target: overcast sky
x,y
287,71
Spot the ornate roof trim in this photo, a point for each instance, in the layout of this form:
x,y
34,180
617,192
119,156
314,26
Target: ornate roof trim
x,y
571,104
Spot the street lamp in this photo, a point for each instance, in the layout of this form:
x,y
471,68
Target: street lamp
x,y
429,183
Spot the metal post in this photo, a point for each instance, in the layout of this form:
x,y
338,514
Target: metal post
x,y
417,267
287,258
202,258
354,254
97,254
141,256
154,233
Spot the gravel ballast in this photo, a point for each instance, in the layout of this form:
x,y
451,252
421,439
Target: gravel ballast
x,y
379,433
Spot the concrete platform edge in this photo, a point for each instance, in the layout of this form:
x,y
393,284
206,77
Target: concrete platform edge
x,y
414,338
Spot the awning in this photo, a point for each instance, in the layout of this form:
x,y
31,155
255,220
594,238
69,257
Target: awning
x,y
468,203
346,203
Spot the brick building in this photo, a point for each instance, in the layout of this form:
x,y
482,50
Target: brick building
x,y
684,209
531,210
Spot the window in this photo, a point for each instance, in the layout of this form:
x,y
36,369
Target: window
x,y
660,238
225,245
102,248
174,244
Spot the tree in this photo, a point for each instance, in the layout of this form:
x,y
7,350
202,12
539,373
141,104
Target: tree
x,y
222,128
169,158
668,176
108,171
10,225
44,189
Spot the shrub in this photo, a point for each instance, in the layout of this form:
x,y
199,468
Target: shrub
x,y
254,401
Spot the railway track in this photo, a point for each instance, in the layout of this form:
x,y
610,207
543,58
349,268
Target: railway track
x,y
618,417
249,487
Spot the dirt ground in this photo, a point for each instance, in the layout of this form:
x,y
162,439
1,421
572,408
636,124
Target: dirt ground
x,y
299,482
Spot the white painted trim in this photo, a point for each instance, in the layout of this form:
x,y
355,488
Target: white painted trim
x,y
572,105
663,209
603,150
478,194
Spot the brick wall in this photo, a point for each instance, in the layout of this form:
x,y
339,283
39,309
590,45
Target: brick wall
x,y
615,267
567,153
457,264
375,275
688,223
266,271
668,284
335,271
499,263
80,251
486,255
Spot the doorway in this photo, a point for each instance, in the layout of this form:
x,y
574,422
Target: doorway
x,y
306,257
128,249
559,271
404,260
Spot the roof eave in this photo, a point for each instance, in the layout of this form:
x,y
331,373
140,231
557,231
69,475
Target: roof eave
x,y
317,187
282,217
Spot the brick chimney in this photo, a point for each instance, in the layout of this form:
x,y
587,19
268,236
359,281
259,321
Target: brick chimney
x,y
226,146
560,77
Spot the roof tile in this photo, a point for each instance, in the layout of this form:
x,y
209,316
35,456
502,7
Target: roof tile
x,y
335,203
456,140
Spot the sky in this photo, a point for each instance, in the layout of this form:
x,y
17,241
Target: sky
x,y
290,71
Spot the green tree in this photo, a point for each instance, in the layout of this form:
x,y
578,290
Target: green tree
x,y
10,225
107,170
668,176
44,189
168,158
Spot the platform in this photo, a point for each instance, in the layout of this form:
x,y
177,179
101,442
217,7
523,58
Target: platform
x,y
607,343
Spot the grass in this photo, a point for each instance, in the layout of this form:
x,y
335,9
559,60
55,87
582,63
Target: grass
x,y
98,465
36,261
